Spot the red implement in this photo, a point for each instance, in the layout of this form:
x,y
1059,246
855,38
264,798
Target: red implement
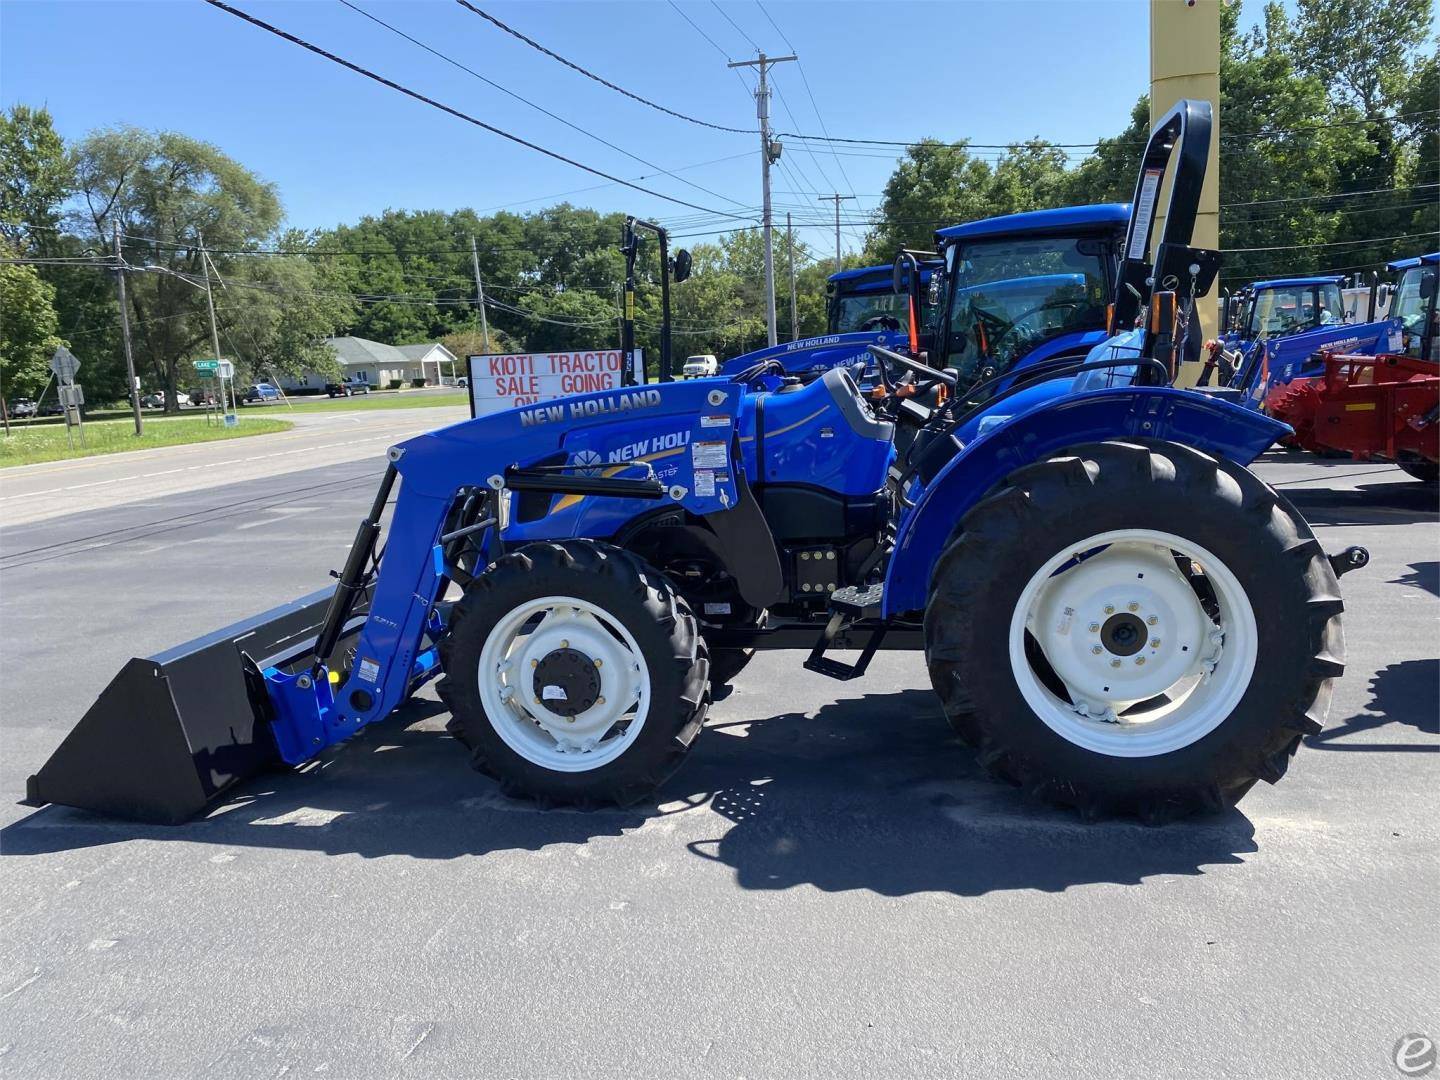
x,y
1385,407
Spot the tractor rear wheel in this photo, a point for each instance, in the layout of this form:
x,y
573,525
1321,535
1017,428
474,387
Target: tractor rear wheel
x,y
1134,629
574,674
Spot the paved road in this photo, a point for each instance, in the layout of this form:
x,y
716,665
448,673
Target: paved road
x,y
55,489
830,887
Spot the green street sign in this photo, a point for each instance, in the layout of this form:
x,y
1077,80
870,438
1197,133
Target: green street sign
x,y
207,365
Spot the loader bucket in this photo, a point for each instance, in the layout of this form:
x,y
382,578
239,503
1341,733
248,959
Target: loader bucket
x,y
173,732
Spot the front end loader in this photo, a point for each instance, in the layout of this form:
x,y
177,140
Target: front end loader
x,y
1091,572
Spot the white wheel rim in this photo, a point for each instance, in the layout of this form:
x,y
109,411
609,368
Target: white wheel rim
x,y
1083,608
510,658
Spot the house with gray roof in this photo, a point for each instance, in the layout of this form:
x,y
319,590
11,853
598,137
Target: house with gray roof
x,y
379,364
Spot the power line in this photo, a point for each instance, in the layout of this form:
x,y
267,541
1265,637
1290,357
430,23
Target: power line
x,y
799,66
383,81
1333,243
964,143
591,75
733,23
1333,195
524,100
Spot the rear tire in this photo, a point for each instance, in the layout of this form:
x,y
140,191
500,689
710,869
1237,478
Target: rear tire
x,y
1268,595
612,650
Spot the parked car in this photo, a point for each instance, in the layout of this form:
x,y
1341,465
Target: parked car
x,y
348,387
21,408
52,407
260,392
157,400
463,382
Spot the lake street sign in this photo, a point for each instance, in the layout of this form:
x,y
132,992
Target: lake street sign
x,y
207,367
64,364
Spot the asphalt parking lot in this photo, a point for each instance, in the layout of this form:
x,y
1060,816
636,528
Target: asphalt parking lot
x,y
830,887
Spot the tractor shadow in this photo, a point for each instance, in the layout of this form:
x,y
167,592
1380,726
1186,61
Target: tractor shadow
x,y
1408,694
1391,502
1422,575
868,793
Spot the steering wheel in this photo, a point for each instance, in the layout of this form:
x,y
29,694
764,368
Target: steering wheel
x,y
880,322
926,376
1047,306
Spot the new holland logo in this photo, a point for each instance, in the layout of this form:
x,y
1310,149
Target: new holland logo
x,y
587,462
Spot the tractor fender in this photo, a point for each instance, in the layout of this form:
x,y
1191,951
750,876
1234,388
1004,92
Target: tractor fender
x,y
1132,412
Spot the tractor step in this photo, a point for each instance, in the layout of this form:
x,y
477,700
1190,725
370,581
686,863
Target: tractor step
x,y
858,601
847,607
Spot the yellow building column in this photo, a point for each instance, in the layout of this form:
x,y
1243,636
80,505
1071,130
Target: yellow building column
x,y
1185,63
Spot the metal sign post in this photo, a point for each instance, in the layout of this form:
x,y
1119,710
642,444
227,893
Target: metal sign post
x,y
226,372
65,364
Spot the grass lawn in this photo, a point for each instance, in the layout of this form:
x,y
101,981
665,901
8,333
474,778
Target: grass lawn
x,y
361,403
27,445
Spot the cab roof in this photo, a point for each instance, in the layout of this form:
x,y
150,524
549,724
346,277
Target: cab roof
x,y
872,278
1099,216
1285,282
1407,264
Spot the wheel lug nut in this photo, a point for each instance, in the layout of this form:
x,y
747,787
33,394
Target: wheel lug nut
x,y
534,663
1133,606
564,644
599,662
1139,660
1109,609
1096,649
1153,619
599,701
1094,627
1154,643
1114,663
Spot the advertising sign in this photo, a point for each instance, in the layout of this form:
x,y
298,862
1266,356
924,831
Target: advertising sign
x,y
504,381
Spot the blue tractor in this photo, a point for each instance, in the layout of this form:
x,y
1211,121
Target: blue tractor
x,y
1114,611
865,299
1282,329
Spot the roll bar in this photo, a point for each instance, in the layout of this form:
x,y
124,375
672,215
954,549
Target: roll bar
x,y
1184,134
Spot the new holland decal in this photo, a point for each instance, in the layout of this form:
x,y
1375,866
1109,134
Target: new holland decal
x,y
590,407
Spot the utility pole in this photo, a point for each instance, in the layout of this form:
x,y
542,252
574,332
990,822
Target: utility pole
x,y
769,154
210,303
125,332
480,294
837,199
790,251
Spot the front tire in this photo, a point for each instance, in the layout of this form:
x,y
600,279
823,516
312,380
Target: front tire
x,y
1095,687
574,674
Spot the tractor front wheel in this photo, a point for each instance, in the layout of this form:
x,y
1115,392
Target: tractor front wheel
x,y
574,674
1134,629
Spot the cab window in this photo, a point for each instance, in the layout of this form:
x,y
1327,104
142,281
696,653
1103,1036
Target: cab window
x,y
1005,297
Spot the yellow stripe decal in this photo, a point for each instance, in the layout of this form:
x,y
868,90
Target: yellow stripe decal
x,y
568,501
1368,406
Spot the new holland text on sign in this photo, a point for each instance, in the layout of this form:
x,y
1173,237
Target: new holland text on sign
x,y
505,381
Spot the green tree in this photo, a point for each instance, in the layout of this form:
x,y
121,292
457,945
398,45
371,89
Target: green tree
x,y
29,331
35,178
934,185
1108,173
165,190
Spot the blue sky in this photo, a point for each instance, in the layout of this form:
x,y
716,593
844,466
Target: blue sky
x,y
339,146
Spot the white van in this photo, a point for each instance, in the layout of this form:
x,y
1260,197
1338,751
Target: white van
x,y
700,367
